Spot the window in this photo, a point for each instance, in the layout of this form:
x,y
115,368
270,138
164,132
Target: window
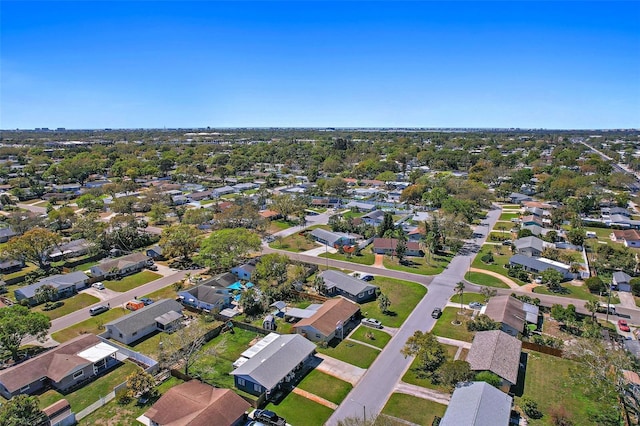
x,y
134,333
241,382
24,389
370,291
257,387
120,334
78,374
360,295
317,336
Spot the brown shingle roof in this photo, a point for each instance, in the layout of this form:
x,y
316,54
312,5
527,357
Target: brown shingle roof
x,y
122,262
391,243
507,310
55,364
196,404
331,311
496,351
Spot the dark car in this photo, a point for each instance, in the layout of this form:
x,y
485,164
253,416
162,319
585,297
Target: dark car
x,y
269,418
367,278
146,301
97,310
437,312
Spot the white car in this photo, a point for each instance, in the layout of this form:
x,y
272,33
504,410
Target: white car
x,y
475,305
98,285
371,322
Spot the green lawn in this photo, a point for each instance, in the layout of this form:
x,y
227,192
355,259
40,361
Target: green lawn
x,y
132,281
549,382
468,298
511,206
24,271
295,243
325,386
87,395
366,257
413,409
85,266
445,328
485,280
72,304
500,259
413,376
508,216
114,414
164,293
351,214
352,353
94,325
380,338
420,265
281,224
404,296
577,292
300,411
601,233
218,355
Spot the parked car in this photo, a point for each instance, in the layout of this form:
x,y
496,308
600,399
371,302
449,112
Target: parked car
x,y
97,310
98,285
371,322
506,243
476,305
367,277
152,267
268,417
623,326
436,313
146,301
538,280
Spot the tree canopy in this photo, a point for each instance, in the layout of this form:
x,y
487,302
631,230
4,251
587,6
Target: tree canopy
x,y
18,322
227,247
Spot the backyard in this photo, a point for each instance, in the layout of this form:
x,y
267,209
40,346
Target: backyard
x,y
132,281
413,409
404,296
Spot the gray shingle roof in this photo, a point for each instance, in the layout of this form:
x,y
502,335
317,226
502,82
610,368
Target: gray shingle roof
x,y
325,235
272,364
620,277
531,241
534,263
145,316
477,404
58,282
496,351
345,282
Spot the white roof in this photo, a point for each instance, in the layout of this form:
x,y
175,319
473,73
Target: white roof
x,y
98,352
262,343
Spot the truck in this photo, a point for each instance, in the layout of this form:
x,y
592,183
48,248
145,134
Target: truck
x,y
604,308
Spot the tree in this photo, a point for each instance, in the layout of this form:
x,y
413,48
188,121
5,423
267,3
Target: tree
x,y
592,306
595,284
460,292
22,410
90,203
287,205
18,322
429,353
489,377
635,286
140,383
488,293
32,246
452,372
158,213
319,285
184,345
250,302
482,322
180,241
227,247
272,268
46,293
386,225
576,236
384,303
530,408
401,249
552,279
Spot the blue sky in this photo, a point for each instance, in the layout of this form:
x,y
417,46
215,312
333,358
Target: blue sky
x,y
122,64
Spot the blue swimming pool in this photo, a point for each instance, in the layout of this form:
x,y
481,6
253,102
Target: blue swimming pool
x,y
238,286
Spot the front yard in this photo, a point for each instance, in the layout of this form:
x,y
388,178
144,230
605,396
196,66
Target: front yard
x,y
414,376
569,290
501,256
132,281
300,411
325,386
366,257
71,304
351,353
93,325
380,338
485,280
413,409
420,265
404,296
87,395
445,328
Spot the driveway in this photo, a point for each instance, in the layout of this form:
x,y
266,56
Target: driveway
x,y
340,369
424,393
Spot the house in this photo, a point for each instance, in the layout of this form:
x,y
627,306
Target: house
x,y
63,367
270,214
537,265
362,207
530,246
332,239
194,403
629,237
508,311
121,266
200,196
416,234
274,364
517,198
6,234
621,281
65,284
59,414
477,404
224,190
206,297
388,246
245,271
155,253
373,218
224,280
73,248
241,187
531,220
328,321
497,352
10,265
340,284
163,315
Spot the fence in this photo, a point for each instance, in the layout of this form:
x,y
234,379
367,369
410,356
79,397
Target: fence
x,y
123,353
543,349
313,297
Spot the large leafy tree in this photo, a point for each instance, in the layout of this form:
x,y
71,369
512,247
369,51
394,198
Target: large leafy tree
x,y
429,353
227,247
18,322
272,268
180,241
21,410
32,246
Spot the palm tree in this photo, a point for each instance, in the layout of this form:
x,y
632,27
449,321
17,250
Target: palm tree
x,y
592,306
460,292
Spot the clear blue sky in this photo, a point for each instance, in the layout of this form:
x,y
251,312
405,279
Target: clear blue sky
x,y
122,64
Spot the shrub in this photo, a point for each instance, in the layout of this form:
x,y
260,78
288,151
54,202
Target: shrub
x,y
560,416
49,306
530,408
487,258
123,397
489,377
482,323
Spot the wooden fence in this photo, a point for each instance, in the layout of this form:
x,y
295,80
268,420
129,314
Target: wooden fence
x,y
543,349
